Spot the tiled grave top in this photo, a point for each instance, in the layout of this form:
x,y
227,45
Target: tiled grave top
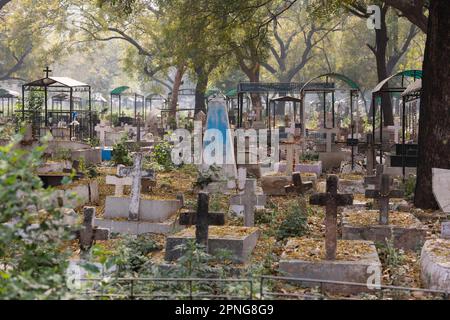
x,y
314,250
216,232
371,217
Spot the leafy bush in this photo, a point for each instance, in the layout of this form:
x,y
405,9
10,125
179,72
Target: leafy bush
x,y
120,153
296,222
32,249
410,186
309,156
162,155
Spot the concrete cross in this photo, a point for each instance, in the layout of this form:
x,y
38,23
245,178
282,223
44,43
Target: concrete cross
x,y
119,181
202,219
102,128
298,186
329,133
331,200
88,233
376,179
136,175
383,194
249,199
370,154
290,154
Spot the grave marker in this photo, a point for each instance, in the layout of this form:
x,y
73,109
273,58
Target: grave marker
x,y
383,194
331,200
133,212
202,219
298,186
376,179
102,128
290,154
249,199
88,233
329,136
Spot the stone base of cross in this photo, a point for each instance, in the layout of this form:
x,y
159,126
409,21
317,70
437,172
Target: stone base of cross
x,y
382,195
331,200
88,234
202,219
249,199
376,179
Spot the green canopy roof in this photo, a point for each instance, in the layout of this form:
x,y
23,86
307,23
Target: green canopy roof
x,y
231,93
119,90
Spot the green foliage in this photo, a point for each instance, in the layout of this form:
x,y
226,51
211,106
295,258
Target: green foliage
x,y
410,186
162,155
32,249
120,153
309,156
63,154
296,222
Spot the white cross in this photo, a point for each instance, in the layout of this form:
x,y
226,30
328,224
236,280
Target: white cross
x,y
102,129
329,133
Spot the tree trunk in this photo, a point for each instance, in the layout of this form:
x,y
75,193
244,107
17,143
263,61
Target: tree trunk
x,y
253,76
200,89
381,36
175,92
434,131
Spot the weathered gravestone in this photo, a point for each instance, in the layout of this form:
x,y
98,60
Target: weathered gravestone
x,y
88,234
239,241
329,137
382,195
375,180
302,258
405,230
249,200
202,219
441,188
298,186
331,200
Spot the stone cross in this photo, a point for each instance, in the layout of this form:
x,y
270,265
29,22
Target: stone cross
x,y
329,134
376,179
102,129
242,178
370,154
290,154
202,219
249,199
331,200
88,233
298,186
119,181
136,175
383,194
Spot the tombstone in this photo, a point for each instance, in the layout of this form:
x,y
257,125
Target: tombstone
x,y
242,178
383,194
88,233
102,128
202,219
290,154
331,200
370,154
119,182
376,179
135,187
441,188
298,186
329,136
445,230
249,199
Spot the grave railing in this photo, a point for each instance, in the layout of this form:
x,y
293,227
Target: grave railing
x,y
381,291
190,289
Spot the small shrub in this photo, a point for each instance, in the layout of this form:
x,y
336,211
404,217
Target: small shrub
x,y
162,155
120,153
410,187
296,222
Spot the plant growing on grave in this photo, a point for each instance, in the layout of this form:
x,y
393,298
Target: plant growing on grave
x,y
63,154
162,155
410,186
296,222
32,250
120,153
391,258
309,157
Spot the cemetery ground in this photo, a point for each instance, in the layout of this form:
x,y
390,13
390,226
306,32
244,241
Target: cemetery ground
x,y
284,217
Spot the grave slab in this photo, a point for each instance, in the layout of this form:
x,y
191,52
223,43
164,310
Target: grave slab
x,y
137,227
441,188
240,241
345,268
273,185
405,229
314,167
445,230
331,160
149,210
351,186
435,264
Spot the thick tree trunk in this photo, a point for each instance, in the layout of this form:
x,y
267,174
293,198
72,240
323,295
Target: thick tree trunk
x,y
200,89
175,92
434,123
381,36
253,76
